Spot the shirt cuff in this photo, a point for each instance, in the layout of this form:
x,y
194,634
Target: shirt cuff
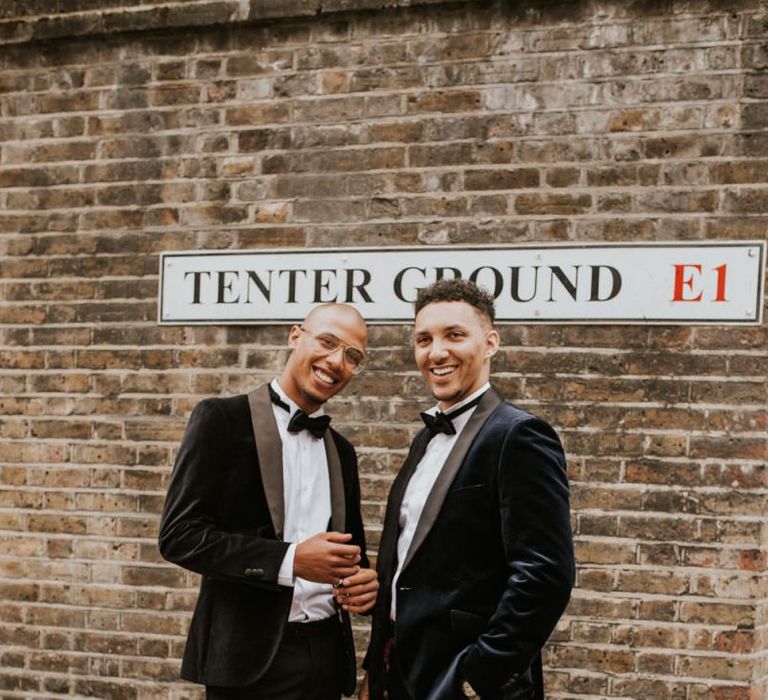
x,y
285,575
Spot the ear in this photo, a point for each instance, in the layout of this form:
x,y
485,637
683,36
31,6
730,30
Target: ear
x,y
294,336
492,342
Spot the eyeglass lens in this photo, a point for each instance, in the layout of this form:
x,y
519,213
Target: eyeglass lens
x,y
331,343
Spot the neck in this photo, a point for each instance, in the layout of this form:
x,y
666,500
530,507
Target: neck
x,y
304,402
447,404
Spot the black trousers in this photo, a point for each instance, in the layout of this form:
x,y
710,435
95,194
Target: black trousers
x,y
308,666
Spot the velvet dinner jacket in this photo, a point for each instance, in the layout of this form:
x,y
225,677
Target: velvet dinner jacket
x,y
490,567
223,518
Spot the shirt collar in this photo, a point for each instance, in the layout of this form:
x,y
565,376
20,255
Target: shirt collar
x,y
291,404
436,409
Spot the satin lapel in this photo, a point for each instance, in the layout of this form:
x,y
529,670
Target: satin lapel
x,y
336,478
388,545
434,503
269,448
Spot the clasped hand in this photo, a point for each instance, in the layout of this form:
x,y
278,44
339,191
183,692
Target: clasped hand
x,y
329,558
357,593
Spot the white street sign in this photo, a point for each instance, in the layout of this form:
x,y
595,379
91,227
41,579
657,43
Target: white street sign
x,y
672,283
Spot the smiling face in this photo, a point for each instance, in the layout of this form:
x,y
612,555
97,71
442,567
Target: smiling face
x,y
454,344
312,375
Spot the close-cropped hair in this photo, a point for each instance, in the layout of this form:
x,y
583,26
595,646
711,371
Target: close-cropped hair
x,y
457,290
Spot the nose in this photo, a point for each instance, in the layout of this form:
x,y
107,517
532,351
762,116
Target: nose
x,y
336,358
437,351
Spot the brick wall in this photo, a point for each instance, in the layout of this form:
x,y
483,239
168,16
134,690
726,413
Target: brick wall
x,y
454,123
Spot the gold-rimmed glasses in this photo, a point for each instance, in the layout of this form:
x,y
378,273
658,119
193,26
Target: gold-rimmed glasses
x,y
327,343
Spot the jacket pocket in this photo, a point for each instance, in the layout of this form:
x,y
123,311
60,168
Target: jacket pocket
x,y
468,490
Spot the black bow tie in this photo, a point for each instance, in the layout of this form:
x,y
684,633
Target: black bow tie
x,y
316,426
443,422
300,420
439,423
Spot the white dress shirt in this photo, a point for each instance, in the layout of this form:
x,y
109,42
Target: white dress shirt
x,y
307,494
422,481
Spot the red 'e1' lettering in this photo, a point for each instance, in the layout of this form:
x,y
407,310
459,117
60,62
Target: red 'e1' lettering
x,y
682,281
720,270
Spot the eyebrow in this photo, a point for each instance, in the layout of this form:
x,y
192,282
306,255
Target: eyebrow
x,y
447,329
348,344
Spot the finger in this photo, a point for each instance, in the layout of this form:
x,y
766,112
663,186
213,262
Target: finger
x,y
337,536
345,550
338,572
359,610
354,559
369,585
352,580
358,605
351,591
362,576
345,561
359,599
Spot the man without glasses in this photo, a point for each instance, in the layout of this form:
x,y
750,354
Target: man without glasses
x,y
476,557
264,502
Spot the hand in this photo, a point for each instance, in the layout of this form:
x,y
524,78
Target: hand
x,y
357,593
363,693
325,558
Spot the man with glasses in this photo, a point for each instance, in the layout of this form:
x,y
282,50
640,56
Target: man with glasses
x,y
264,502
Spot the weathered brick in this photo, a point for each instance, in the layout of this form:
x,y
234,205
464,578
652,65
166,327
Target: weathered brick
x,y
511,179
328,132
552,204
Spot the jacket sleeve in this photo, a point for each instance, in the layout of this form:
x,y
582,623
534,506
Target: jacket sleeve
x,y
538,545
191,534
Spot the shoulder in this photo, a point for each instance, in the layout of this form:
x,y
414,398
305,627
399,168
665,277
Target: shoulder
x,y
219,410
508,419
344,446
508,415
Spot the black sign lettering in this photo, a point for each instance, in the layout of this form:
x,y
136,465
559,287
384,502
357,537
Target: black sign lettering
x,y
595,286
196,284
291,283
440,273
498,281
359,286
226,286
265,289
398,286
514,286
570,287
322,285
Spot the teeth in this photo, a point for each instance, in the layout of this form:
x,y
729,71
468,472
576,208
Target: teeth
x,y
443,371
325,377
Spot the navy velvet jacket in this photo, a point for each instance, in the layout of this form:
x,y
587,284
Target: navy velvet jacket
x,y
491,567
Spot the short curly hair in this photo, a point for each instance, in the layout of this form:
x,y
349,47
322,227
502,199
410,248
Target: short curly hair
x,y
457,290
